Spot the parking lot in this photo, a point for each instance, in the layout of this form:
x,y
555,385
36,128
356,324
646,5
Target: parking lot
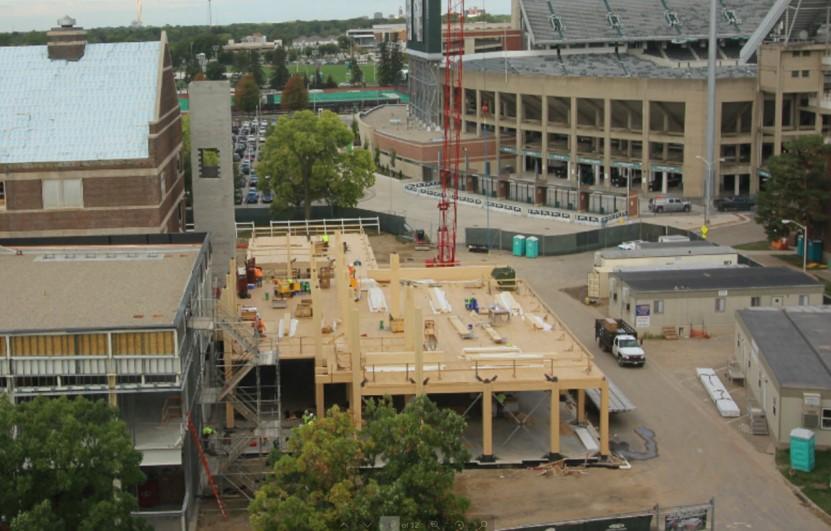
x,y
248,138
700,454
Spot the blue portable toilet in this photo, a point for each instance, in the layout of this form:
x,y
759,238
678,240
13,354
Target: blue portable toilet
x,y
800,244
803,450
815,251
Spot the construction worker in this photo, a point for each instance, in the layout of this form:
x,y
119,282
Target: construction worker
x,y
208,433
325,240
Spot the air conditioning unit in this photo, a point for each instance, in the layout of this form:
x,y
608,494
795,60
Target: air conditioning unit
x,y
811,402
810,421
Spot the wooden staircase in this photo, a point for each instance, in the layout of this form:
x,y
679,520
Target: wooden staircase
x,y
758,421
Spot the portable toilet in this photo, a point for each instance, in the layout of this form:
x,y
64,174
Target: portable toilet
x,y
802,450
815,251
532,247
519,245
800,244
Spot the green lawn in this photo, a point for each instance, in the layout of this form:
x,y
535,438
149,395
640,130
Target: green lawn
x,y
763,245
338,72
813,484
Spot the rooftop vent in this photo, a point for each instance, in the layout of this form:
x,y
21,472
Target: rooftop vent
x,y
557,23
66,42
672,18
614,20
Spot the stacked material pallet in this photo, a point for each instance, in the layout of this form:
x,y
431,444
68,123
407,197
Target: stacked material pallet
x,y
376,300
507,300
718,393
439,302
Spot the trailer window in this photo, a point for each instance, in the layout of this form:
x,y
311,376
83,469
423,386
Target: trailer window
x,y
658,306
721,304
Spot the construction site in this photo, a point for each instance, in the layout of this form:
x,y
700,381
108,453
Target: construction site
x,y
327,326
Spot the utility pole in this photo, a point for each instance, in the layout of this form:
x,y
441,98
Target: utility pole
x,y
711,111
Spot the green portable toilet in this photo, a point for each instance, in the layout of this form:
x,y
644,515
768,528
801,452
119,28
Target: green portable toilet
x,y
800,247
802,451
532,247
815,251
519,245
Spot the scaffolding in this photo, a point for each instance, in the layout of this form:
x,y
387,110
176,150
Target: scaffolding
x,y
425,80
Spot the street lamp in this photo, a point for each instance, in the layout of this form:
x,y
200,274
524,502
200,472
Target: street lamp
x,y
804,241
708,187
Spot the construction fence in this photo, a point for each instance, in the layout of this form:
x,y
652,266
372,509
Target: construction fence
x,y
552,245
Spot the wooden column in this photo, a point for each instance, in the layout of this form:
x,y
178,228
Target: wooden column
x,y
341,281
554,420
289,274
581,406
410,333
317,317
320,401
419,351
604,418
487,425
395,286
357,374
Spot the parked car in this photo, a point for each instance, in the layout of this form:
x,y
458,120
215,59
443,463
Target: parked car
x,y
734,202
252,197
267,197
669,204
237,196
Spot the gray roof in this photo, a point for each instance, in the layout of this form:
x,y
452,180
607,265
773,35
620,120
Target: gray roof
x,y
716,278
795,343
598,65
661,250
97,108
86,287
639,20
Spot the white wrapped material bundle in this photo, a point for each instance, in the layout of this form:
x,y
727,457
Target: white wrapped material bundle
x,y
376,300
718,393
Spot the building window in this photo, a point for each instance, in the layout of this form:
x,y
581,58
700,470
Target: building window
x,y
794,73
755,301
208,163
658,306
826,419
721,304
806,73
63,193
803,300
2,195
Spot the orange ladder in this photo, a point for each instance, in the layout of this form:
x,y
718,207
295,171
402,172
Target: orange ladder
x,y
197,440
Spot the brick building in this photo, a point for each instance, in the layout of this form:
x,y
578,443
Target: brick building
x,y
90,138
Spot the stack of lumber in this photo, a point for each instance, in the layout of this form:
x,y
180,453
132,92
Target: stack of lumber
x,y
460,327
439,302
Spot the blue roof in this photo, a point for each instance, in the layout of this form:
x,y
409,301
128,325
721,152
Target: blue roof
x,y
97,108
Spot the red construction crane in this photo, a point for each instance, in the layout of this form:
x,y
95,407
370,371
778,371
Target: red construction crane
x,y
451,151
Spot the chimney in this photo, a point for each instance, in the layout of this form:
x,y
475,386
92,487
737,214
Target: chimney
x,y
66,41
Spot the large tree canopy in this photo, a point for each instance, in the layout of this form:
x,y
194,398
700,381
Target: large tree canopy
x,y
327,479
281,72
295,96
799,187
66,465
309,157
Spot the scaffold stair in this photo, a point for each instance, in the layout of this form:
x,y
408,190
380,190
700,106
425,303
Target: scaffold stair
x,y
197,441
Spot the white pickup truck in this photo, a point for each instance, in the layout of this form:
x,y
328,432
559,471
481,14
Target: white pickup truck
x,y
617,337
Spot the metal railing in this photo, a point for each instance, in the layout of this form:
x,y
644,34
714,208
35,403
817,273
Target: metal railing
x,y
309,227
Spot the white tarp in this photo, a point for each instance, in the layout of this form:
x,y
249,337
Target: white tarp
x,y
439,302
718,393
376,300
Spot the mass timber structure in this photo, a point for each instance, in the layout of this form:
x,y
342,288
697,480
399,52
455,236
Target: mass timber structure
x,y
405,331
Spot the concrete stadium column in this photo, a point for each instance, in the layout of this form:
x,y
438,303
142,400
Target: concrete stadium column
x,y
519,165
646,168
487,425
581,406
664,182
544,143
479,116
607,141
572,174
497,130
604,418
554,422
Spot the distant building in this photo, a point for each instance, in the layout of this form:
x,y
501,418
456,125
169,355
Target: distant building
x,y
90,138
378,15
313,41
784,355
255,42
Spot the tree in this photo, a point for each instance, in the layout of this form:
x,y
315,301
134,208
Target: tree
x,y
309,159
383,63
330,82
326,480
215,71
281,72
256,68
344,43
356,73
247,94
295,96
798,188
396,60
67,464
356,132
199,77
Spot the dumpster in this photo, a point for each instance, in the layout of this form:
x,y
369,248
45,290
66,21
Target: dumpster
x,y
802,450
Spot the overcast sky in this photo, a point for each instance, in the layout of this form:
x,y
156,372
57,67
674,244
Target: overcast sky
x,y
25,15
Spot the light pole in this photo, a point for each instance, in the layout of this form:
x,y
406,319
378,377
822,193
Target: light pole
x,y
804,241
711,110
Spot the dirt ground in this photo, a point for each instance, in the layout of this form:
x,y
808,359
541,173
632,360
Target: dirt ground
x,y
385,244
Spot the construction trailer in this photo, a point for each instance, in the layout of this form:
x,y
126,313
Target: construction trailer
x,y
364,331
655,256
113,321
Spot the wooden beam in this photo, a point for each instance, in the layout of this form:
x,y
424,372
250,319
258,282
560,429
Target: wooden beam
x,y
554,428
317,318
395,286
487,424
439,274
357,374
604,418
418,321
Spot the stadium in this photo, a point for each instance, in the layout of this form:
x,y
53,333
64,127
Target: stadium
x,y
610,96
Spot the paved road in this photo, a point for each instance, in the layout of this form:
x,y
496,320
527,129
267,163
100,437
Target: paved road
x,y
700,454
